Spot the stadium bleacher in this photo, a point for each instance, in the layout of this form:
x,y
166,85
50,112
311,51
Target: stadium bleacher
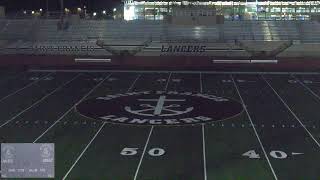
x,y
106,29
24,34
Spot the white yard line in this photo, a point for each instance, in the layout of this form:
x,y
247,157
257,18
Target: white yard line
x,y
28,85
58,120
168,81
84,150
201,86
305,86
40,100
144,151
183,72
296,117
254,129
134,82
204,152
150,132
203,138
12,77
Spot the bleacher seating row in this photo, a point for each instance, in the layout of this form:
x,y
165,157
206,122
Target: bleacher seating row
x,y
44,30
42,36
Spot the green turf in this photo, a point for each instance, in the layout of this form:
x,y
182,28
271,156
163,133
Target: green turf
x,y
228,140
113,138
182,145
24,99
225,141
265,107
72,154
48,110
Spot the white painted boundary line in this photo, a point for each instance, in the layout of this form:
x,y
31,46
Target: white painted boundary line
x,y
67,112
180,72
204,152
254,129
144,151
203,138
134,82
40,100
84,150
169,78
306,87
231,61
287,106
271,61
244,61
201,87
12,77
28,85
80,60
147,142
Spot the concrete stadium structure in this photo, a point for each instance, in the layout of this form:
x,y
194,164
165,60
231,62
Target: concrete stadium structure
x,y
153,43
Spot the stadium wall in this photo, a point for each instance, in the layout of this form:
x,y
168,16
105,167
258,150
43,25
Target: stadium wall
x,y
160,63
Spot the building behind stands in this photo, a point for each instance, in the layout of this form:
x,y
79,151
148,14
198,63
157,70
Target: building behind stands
x,y
231,10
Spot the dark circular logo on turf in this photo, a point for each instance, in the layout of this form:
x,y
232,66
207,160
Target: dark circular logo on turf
x,y
159,108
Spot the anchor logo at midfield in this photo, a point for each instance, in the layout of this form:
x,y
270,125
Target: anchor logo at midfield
x,y
160,109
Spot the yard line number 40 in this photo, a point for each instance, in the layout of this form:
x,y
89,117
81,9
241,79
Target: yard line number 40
x,y
275,154
133,151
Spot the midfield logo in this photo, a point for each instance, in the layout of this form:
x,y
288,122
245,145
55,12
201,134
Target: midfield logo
x,y
159,108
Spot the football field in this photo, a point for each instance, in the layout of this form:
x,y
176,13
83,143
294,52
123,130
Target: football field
x,y
140,125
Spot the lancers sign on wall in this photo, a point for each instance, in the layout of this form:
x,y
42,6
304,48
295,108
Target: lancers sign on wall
x,y
183,49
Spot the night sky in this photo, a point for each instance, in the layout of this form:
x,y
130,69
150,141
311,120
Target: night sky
x,y
54,5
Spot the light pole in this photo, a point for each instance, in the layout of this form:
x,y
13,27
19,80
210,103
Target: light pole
x,y
62,7
47,4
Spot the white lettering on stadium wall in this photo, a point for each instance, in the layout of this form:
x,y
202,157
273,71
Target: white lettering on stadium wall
x,y
183,49
63,48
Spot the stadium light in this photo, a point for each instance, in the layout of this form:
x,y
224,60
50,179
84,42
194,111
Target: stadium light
x,y
129,13
104,12
32,12
40,9
94,13
114,9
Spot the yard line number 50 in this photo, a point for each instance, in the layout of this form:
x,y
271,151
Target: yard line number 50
x,y
133,151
